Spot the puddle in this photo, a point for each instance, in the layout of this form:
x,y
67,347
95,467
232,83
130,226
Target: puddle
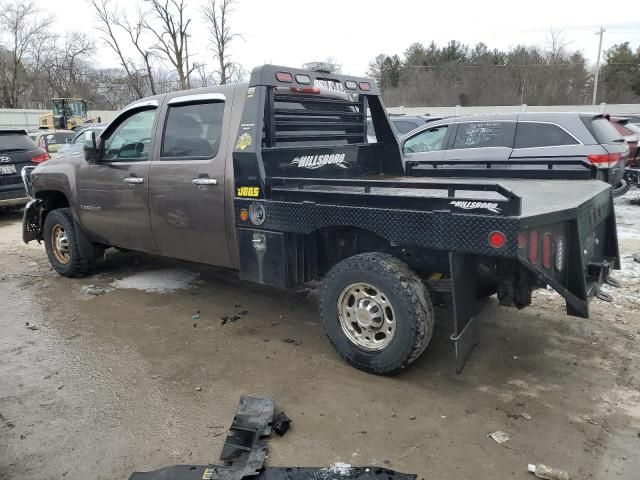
x,y
158,281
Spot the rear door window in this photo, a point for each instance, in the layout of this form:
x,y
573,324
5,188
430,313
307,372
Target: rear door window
x,y
480,135
193,131
536,134
428,140
601,129
404,126
15,141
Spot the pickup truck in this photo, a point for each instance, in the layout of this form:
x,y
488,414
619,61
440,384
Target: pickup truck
x,y
276,179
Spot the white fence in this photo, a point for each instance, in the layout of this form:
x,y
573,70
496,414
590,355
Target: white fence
x,y
28,119
627,108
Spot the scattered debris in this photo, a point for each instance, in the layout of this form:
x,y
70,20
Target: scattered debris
x,y
291,341
32,327
237,305
93,290
542,471
281,423
245,450
636,257
526,416
226,319
499,437
195,325
412,417
60,387
196,316
198,389
243,312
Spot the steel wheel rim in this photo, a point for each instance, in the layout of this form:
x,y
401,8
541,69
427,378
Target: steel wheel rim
x,y
366,316
60,244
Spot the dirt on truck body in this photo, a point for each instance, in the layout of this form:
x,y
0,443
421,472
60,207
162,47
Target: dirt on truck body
x,y
278,180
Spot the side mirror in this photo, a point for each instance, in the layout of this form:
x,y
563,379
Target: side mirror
x,y
90,147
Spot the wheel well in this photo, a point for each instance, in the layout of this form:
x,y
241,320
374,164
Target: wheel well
x,y
336,243
53,199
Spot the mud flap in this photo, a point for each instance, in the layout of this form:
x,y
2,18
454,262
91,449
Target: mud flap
x,y
464,283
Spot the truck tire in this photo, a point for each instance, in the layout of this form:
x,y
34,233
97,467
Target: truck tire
x,y
376,312
61,244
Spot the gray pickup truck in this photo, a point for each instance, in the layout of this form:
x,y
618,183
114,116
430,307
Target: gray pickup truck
x,y
277,179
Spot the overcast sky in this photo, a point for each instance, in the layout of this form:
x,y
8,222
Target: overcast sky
x,y
292,32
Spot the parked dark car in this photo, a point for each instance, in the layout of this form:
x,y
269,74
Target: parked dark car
x,y
504,139
17,150
77,142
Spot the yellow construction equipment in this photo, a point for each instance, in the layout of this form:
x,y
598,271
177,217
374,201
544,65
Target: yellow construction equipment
x,y
67,114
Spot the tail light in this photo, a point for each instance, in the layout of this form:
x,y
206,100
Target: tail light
x,y
533,247
284,77
605,160
551,251
43,157
366,86
305,89
546,250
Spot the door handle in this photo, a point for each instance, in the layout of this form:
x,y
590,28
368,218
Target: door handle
x,y
134,180
204,181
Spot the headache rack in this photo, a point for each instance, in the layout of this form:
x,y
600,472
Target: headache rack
x,y
313,115
405,194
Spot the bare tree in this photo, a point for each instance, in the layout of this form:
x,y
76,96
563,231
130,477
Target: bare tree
x,y
135,31
216,14
172,36
19,21
106,21
67,65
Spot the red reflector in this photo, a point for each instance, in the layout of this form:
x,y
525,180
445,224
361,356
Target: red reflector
x,y
497,239
43,157
366,86
533,246
284,77
546,250
305,89
522,240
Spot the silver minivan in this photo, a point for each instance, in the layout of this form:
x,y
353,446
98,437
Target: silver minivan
x,y
503,138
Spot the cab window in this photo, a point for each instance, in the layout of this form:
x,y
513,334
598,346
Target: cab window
x,y
193,130
428,140
131,139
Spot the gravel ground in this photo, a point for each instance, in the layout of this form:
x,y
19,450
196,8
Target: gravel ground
x,y
133,369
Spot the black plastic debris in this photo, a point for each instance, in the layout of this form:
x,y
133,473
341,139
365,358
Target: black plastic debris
x,y
245,450
281,423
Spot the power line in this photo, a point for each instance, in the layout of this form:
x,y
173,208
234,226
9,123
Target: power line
x,y
513,65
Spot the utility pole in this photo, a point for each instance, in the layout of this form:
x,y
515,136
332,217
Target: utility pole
x,y
595,80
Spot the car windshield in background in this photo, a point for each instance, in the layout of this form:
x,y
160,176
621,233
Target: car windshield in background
x,y
602,130
14,141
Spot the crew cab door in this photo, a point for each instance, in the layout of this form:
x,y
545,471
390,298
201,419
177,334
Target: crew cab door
x,y
187,189
113,191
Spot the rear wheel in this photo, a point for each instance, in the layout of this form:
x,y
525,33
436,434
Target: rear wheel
x,y
376,312
61,245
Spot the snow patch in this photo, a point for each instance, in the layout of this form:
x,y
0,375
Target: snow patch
x,y
167,280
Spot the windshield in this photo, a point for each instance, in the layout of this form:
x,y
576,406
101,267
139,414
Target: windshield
x,y
70,108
